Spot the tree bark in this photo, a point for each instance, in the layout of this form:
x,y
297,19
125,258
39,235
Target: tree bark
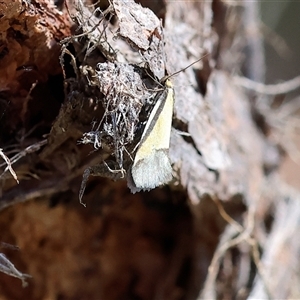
x,y
207,234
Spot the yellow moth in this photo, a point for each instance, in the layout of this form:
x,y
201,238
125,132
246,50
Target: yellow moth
x,y
151,166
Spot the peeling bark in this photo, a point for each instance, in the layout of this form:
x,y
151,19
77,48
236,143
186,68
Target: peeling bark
x,y
62,82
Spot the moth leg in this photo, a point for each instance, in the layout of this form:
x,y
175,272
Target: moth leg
x,y
104,170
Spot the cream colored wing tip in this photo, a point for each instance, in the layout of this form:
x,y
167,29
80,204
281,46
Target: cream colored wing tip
x,y
153,171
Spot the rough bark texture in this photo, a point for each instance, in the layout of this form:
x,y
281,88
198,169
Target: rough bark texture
x,y
215,232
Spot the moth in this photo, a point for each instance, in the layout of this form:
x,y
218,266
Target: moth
x,y
151,166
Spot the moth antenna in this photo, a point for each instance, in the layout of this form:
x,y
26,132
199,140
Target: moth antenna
x,y
182,70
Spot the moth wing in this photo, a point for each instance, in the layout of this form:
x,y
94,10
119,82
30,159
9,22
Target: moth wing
x,y
152,166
